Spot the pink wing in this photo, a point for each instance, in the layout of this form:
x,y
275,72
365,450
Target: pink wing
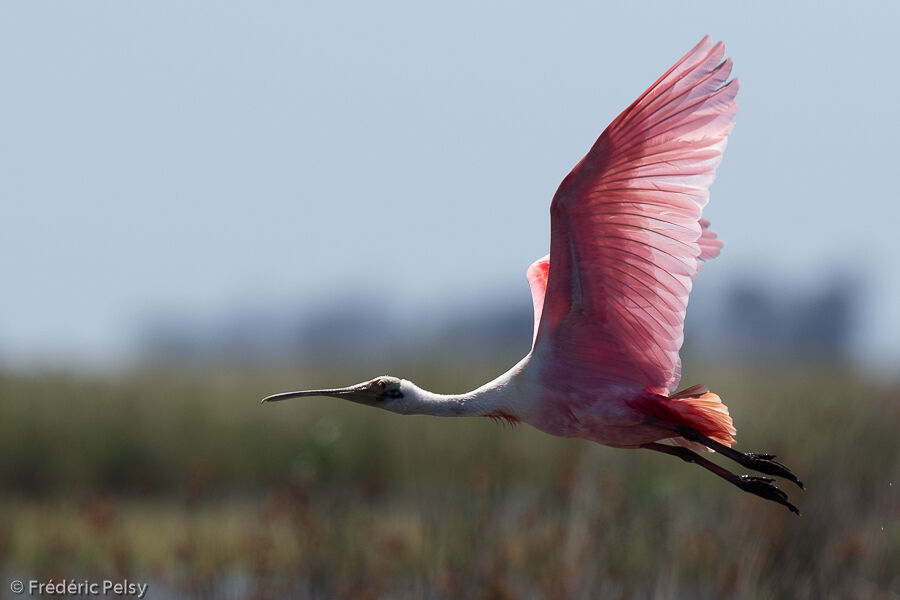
x,y
710,245
626,235
539,271
537,275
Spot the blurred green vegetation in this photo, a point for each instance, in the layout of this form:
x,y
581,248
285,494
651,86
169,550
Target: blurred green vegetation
x,y
185,481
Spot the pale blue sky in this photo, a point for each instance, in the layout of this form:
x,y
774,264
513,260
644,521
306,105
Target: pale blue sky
x,y
196,157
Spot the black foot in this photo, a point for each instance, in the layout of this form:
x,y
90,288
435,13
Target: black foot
x,y
755,484
762,487
766,463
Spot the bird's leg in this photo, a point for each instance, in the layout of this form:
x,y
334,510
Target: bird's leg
x,y
764,463
761,486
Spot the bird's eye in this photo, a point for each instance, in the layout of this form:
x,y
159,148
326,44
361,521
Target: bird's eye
x,y
380,384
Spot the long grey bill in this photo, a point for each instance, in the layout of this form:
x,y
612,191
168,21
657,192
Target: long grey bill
x,y
333,392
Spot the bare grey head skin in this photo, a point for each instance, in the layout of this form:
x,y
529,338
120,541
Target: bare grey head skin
x,y
382,392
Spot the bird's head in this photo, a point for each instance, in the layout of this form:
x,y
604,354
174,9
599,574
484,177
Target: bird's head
x,y
383,392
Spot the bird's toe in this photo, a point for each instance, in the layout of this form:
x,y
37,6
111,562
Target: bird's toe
x,y
766,463
763,487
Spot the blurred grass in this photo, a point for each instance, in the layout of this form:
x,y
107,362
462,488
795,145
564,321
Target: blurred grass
x,y
186,482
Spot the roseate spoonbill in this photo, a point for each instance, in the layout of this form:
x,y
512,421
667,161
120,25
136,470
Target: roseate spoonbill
x,y
627,241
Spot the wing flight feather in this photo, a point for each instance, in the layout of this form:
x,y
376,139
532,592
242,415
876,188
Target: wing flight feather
x,y
627,237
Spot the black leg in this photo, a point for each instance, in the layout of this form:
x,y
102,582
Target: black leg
x,y
764,463
761,486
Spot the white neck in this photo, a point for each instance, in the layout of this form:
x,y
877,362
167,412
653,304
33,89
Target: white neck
x,y
502,397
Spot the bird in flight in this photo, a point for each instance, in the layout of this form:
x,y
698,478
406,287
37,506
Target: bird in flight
x,y
627,240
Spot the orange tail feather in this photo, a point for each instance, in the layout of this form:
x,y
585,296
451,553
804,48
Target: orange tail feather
x,y
695,407
706,413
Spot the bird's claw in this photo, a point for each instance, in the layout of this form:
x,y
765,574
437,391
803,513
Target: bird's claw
x,y
766,463
763,487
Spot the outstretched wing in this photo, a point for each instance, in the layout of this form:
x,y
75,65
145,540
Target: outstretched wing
x,y
627,239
